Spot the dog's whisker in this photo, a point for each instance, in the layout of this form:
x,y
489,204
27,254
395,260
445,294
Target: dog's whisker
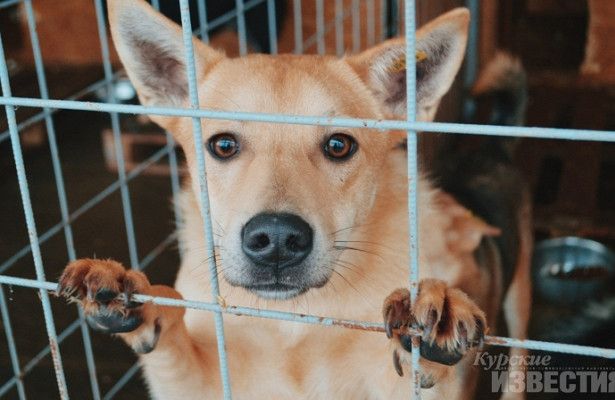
x,y
334,233
344,264
364,242
218,225
341,276
357,249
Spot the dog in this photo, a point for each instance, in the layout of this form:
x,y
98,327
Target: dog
x,y
307,219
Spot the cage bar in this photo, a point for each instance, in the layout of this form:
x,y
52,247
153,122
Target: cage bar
x,y
30,222
50,106
204,193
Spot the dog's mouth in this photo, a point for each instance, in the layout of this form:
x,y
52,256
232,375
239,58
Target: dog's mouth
x,y
272,286
276,291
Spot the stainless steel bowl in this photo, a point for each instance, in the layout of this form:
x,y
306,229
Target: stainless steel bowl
x,y
571,270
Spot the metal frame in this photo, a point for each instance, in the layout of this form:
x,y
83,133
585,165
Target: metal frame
x,y
49,106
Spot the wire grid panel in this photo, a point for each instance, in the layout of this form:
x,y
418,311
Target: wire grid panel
x,y
12,279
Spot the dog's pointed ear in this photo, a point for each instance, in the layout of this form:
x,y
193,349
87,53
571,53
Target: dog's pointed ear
x,y
440,46
152,50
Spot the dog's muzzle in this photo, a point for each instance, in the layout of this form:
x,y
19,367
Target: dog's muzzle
x,y
278,249
277,241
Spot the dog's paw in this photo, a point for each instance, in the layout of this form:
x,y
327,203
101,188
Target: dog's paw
x,y
450,320
96,285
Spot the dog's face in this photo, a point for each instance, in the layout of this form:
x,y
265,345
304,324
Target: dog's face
x,y
284,198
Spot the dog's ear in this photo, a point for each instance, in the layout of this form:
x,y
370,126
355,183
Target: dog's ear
x,y
152,50
440,46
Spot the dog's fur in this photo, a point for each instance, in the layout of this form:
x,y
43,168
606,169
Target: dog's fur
x,y
352,206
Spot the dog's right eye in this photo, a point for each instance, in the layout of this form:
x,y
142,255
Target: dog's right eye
x,y
223,146
340,147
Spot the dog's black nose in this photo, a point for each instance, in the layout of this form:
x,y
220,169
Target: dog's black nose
x,y
277,240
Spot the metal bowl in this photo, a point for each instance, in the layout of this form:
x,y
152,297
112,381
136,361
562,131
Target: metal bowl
x,y
571,270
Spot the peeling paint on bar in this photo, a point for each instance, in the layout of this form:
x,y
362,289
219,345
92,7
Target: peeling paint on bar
x,y
324,321
436,127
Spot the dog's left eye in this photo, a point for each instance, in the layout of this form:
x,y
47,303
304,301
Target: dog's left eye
x,y
340,147
223,146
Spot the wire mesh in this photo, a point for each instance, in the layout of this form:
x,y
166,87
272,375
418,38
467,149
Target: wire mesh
x,y
351,14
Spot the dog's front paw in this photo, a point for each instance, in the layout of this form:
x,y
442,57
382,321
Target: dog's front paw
x,y
450,321
96,285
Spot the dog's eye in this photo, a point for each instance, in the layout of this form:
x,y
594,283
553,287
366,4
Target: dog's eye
x,y
340,146
223,146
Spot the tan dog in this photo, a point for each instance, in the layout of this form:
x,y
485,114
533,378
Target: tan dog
x,y
308,219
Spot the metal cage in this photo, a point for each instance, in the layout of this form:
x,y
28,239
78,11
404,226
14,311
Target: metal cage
x,y
25,269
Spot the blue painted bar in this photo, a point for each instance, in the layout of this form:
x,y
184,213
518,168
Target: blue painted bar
x,y
437,127
204,194
85,207
229,16
413,215
175,188
10,339
29,214
53,147
323,321
410,125
40,116
59,179
132,371
298,26
203,32
339,28
241,27
37,358
371,23
273,27
356,26
320,27
115,128
339,19
384,9
156,251
8,3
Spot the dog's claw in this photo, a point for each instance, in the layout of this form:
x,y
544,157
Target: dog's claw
x,y
451,323
480,330
65,290
396,311
388,324
432,317
397,364
96,284
463,339
92,291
